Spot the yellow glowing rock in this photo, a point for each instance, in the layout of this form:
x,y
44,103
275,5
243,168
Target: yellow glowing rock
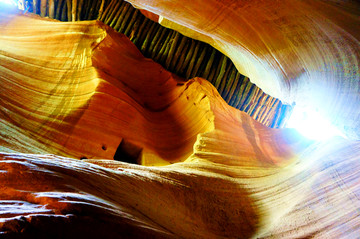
x,y
307,52
79,89
87,88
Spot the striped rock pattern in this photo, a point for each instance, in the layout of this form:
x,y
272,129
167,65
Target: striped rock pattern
x,y
83,91
314,194
302,52
177,53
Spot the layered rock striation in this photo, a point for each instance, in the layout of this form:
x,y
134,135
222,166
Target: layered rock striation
x,y
80,90
177,53
301,52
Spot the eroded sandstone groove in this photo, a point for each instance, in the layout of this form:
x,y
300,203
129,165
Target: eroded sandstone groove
x,y
82,91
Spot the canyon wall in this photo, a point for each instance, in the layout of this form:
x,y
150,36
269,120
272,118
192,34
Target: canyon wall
x,y
75,96
302,52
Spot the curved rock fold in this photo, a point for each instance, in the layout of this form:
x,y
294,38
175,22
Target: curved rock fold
x,y
80,90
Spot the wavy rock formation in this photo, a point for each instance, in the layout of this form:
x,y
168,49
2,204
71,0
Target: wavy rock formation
x,y
49,196
80,93
177,53
307,52
85,91
68,95
80,90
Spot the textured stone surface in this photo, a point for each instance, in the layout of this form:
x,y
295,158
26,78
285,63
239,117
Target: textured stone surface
x,y
79,89
87,88
75,90
177,53
218,196
82,90
307,52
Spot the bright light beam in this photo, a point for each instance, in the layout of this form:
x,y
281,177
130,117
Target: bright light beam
x,y
10,2
311,124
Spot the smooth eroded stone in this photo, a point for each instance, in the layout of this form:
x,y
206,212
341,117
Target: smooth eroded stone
x,y
83,91
302,52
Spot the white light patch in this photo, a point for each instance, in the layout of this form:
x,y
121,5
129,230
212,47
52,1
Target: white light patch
x,y
10,2
312,124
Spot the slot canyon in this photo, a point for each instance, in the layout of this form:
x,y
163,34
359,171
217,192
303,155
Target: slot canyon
x,y
168,119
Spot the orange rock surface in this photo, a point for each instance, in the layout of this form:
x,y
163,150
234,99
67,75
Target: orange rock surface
x,y
302,52
78,90
46,196
84,90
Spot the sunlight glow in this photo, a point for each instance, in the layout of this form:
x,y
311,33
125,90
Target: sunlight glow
x,y
311,124
11,2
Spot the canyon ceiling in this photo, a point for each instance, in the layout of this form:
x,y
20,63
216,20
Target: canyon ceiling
x,y
165,119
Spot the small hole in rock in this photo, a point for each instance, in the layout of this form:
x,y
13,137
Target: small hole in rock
x,y
128,152
83,157
104,147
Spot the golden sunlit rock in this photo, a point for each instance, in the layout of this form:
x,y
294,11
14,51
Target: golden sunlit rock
x,y
306,52
77,98
86,89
